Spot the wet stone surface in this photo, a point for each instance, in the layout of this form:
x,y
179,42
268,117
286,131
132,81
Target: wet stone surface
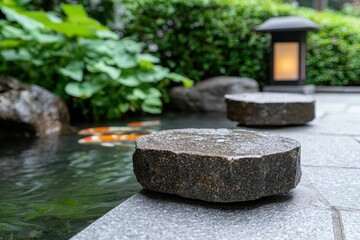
x,y
270,109
27,109
217,165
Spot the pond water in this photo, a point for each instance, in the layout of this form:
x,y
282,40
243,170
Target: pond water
x,y
51,188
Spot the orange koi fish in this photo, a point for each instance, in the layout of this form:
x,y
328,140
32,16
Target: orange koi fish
x,y
144,124
110,138
101,130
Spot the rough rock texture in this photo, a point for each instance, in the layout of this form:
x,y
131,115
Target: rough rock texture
x,y
217,165
31,108
208,95
270,109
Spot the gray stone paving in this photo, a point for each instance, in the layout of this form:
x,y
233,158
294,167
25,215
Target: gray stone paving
x,y
325,205
351,222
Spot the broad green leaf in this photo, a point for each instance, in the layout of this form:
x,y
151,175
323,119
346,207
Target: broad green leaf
x,y
83,90
118,45
88,42
10,55
147,77
8,3
13,55
15,33
147,57
102,48
146,65
71,29
153,101
23,20
131,97
125,61
151,109
132,47
157,74
124,107
106,34
187,82
175,77
9,43
40,16
74,89
178,78
160,72
138,93
153,92
79,26
77,16
152,105
47,38
38,62
129,81
74,11
73,70
54,17
113,72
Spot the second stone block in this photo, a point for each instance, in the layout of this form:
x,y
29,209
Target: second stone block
x,y
270,109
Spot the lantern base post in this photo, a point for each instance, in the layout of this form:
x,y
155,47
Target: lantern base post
x,y
303,89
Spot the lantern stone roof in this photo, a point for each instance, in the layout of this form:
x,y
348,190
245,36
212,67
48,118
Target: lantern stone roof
x,y
282,24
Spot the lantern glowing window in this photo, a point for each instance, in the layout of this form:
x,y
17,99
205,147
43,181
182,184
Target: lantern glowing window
x,y
286,61
288,55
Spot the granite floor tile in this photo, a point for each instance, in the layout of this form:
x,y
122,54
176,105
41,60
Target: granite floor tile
x,y
322,150
353,109
351,224
339,186
158,216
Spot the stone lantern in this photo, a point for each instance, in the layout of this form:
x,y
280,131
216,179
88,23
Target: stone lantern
x,y
288,55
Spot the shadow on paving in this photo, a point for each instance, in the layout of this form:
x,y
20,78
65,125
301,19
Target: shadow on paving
x,y
248,205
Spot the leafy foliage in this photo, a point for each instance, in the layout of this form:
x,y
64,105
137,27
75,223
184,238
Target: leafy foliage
x,y
78,56
216,37
102,11
351,9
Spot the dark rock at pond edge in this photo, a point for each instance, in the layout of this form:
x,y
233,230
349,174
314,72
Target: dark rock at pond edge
x,y
31,109
208,95
217,165
270,109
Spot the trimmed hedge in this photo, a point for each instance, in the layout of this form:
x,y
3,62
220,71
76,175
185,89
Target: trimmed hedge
x,y
205,38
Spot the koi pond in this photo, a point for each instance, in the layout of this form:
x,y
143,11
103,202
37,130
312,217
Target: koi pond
x,y
53,187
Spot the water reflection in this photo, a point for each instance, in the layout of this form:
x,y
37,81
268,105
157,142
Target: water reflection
x,y
52,187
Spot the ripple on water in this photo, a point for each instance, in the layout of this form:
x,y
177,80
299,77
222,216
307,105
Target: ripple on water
x,y
53,187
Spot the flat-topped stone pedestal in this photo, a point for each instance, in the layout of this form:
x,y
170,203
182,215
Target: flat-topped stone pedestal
x,y
217,165
270,109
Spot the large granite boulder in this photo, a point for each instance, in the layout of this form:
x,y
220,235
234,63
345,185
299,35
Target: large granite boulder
x,y
31,109
208,95
217,165
270,109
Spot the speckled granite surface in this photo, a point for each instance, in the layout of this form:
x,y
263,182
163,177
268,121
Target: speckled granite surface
x,y
217,165
270,109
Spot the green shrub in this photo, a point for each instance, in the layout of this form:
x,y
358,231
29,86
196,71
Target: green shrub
x,y
351,10
204,38
83,62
